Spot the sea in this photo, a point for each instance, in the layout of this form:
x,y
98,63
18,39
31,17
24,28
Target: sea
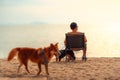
x,y
102,41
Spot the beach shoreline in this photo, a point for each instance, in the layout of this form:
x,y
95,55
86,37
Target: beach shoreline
x,y
100,68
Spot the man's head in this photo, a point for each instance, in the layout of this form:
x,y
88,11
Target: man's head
x,y
73,25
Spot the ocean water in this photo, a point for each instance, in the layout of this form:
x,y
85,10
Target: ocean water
x,y
103,41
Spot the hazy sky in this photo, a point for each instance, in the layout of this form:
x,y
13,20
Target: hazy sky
x,y
59,11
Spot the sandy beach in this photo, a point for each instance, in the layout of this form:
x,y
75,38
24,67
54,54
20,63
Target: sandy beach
x,y
93,69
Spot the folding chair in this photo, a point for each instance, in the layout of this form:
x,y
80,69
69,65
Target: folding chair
x,y
75,42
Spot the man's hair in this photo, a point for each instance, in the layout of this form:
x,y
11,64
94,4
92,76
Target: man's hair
x,y
73,25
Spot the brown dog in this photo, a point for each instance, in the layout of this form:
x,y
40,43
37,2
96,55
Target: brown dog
x,y
39,56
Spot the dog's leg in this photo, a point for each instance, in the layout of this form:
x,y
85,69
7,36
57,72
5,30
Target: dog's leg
x,y
26,65
39,66
67,58
46,68
19,68
59,58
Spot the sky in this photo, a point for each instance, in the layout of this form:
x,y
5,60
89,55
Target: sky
x,y
60,11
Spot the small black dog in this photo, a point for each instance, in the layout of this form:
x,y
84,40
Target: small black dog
x,y
68,53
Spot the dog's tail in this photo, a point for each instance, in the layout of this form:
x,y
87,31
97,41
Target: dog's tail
x,y
13,53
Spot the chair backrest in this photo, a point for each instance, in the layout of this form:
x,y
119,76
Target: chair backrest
x,y
75,41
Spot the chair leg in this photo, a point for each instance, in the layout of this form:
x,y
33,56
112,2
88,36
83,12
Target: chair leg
x,y
84,58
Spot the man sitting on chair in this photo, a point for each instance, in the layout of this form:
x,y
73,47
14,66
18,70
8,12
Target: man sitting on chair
x,y
74,29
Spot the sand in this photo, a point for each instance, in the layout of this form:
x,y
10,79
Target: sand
x,y
93,69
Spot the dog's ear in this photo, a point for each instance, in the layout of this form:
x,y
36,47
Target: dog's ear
x,y
51,45
56,44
